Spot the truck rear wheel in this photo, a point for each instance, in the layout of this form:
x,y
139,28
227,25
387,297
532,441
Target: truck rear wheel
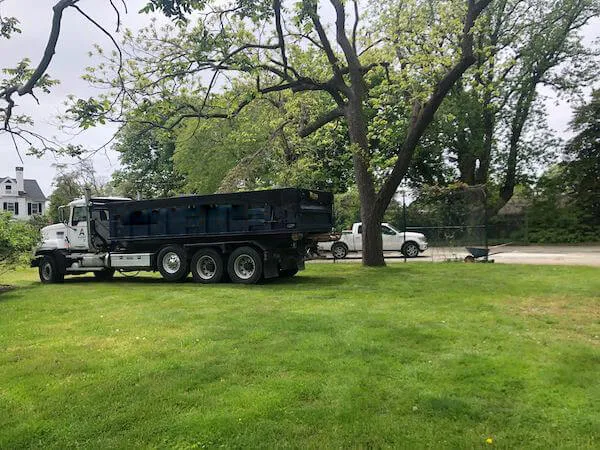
x,y
245,265
207,266
172,263
49,272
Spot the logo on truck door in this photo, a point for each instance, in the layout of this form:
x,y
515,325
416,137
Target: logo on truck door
x,y
81,233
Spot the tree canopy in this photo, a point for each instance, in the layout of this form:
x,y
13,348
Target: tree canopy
x,y
371,69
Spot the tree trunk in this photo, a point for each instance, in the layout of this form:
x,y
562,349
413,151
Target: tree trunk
x,y
371,240
508,187
372,245
489,123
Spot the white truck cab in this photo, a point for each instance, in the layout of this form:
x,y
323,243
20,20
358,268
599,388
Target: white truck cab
x,y
72,232
65,246
409,243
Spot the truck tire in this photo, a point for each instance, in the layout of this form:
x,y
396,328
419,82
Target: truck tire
x,y
172,263
410,249
245,265
49,272
339,250
104,275
207,266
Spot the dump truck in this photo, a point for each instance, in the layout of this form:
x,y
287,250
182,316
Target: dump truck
x,y
243,237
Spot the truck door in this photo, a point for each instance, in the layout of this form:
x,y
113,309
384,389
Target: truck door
x,y
357,239
390,239
77,232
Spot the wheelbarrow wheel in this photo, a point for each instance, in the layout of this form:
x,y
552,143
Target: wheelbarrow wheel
x,y
469,259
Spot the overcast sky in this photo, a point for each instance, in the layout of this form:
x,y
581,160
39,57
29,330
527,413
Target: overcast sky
x,y
76,40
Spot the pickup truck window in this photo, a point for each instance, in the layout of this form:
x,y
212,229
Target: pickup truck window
x,y
388,231
360,229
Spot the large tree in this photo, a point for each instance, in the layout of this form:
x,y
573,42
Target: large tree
x,y
493,125
147,167
582,168
357,64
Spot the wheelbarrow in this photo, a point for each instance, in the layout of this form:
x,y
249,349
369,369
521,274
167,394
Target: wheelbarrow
x,y
482,254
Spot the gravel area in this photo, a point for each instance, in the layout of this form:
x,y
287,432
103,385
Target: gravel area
x,y
579,255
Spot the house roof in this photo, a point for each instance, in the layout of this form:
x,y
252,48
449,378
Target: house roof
x,y
32,189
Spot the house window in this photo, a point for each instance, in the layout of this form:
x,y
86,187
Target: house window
x,y
8,188
10,207
34,208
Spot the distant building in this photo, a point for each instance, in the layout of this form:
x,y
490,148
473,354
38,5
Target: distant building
x,y
23,198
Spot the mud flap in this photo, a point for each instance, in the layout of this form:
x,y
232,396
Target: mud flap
x,y
271,269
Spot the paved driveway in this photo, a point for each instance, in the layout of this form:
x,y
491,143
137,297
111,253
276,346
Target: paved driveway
x,y
580,255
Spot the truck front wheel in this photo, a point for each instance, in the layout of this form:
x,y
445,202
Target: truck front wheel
x,y
410,249
172,263
245,265
49,272
207,266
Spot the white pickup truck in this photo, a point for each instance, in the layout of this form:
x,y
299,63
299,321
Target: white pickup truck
x,y
409,243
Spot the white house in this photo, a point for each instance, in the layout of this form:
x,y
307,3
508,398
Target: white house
x,y
23,198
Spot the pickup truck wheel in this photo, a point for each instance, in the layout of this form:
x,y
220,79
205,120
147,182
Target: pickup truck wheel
x,y
245,265
339,250
104,275
410,250
207,266
49,272
172,263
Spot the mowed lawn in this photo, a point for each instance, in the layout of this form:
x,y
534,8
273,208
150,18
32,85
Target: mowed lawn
x,y
410,356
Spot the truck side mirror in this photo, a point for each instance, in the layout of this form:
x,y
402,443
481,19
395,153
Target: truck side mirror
x,y
61,214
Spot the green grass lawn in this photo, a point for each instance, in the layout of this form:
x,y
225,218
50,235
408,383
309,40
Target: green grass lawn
x,y
416,355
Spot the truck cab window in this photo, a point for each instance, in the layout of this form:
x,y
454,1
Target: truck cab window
x,y
359,229
388,231
79,215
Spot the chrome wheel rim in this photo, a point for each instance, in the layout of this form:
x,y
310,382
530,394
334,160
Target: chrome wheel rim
x,y
171,262
244,267
338,251
206,267
47,271
412,250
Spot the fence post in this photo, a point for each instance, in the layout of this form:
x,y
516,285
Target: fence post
x,y
526,228
404,218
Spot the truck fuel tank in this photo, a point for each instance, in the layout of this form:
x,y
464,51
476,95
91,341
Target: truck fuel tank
x,y
130,260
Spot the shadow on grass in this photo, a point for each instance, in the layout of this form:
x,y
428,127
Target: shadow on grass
x,y
13,292
145,280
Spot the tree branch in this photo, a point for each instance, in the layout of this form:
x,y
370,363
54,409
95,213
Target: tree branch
x,y
320,122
